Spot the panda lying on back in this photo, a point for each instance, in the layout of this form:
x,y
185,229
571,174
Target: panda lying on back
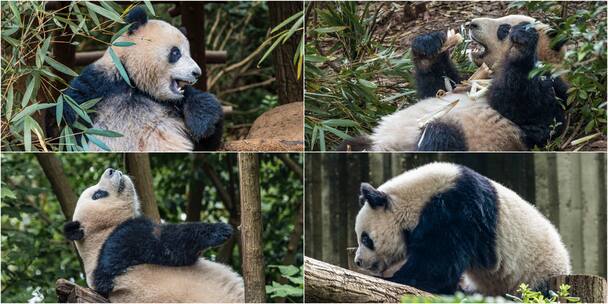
x,y
162,112
128,258
516,114
430,226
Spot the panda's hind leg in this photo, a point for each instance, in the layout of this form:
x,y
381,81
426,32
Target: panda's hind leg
x,y
182,244
431,64
442,136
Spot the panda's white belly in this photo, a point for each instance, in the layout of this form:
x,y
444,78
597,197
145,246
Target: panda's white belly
x,y
145,126
204,281
484,128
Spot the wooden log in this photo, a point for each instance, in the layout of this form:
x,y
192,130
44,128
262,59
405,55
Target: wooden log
x,y
86,58
590,288
324,282
68,292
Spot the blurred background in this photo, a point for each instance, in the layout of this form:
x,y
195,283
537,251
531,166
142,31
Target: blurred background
x,y
568,188
184,187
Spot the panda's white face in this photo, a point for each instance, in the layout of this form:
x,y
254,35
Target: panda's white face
x,y
159,63
113,197
381,241
490,42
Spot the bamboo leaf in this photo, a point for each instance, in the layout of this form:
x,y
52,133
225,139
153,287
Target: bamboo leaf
x,y
123,43
123,30
367,84
150,7
28,91
104,12
41,53
331,29
15,10
120,67
60,67
74,105
89,103
102,132
293,29
27,134
287,21
340,123
59,110
98,142
31,109
9,103
274,45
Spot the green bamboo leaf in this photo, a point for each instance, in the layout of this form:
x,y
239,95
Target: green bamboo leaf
x,y
322,139
123,30
367,84
104,12
31,109
338,132
98,142
293,29
29,90
102,132
27,134
60,67
94,17
315,58
287,21
274,45
74,105
41,52
70,140
89,103
59,110
9,103
120,67
15,10
9,31
340,123
150,7
123,43
331,29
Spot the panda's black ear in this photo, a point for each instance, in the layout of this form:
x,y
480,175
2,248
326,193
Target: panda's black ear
x,y
137,17
372,196
73,231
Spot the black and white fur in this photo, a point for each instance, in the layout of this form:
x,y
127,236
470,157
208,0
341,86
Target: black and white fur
x,y
431,226
516,114
162,111
121,249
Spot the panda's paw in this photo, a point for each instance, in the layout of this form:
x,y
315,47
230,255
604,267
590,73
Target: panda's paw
x,y
73,231
428,45
220,233
524,39
202,112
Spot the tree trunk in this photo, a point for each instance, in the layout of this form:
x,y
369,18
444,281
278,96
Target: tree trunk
x,y
195,190
324,282
251,229
53,170
193,19
289,87
138,166
590,288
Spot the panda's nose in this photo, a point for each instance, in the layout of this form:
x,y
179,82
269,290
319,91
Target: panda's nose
x,y
196,73
358,262
110,171
473,25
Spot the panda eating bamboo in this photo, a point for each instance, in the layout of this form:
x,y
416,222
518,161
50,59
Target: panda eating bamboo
x,y
515,113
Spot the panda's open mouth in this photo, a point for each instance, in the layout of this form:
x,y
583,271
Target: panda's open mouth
x,y
477,49
177,85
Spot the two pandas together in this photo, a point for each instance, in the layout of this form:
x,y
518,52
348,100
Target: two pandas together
x,y
303,151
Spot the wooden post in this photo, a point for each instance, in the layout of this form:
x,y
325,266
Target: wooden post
x,y
590,288
193,19
324,282
68,292
251,229
138,166
52,168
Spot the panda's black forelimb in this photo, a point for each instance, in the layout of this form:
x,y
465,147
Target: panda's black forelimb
x,y
141,241
432,65
72,231
456,231
203,117
530,103
443,136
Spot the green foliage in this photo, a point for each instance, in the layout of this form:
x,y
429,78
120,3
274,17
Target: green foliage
x,y
35,253
286,34
530,296
526,296
294,286
352,78
584,67
27,62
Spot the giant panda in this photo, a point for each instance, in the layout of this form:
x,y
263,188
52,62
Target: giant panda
x,y
128,258
431,226
516,113
162,111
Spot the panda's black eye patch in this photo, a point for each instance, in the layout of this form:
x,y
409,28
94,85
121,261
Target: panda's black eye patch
x,y
174,55
100,194
503,31
367,241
